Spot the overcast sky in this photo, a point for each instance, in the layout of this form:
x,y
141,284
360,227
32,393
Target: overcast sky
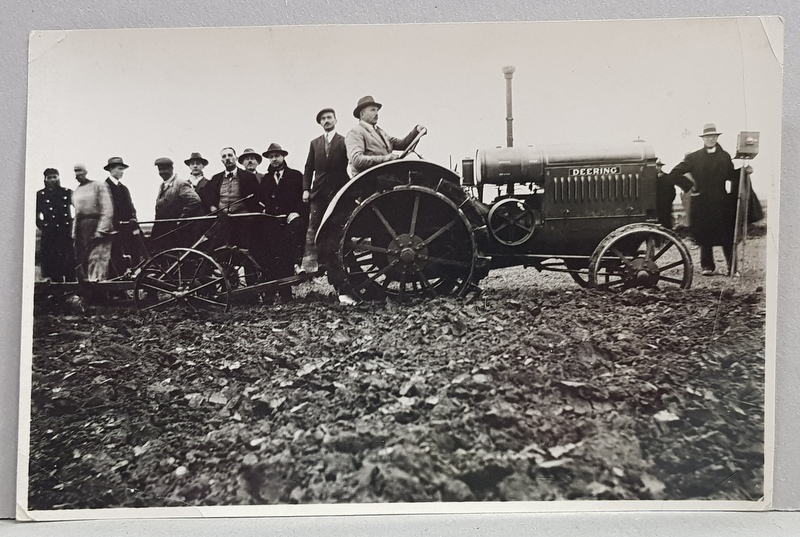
x,y
143,94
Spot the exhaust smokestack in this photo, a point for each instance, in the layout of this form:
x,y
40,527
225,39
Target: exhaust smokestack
x,y
508,71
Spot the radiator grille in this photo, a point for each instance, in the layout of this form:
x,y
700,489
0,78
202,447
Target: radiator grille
x,y
596,188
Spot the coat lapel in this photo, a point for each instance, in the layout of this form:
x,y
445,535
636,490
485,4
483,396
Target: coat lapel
x,y
337,139
377,134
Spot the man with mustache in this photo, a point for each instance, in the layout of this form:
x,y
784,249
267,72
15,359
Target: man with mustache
x,y
176,199
251,161
282,192
325,173
367,144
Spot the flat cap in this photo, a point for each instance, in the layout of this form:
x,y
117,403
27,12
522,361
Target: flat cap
x,y
325,111
164,161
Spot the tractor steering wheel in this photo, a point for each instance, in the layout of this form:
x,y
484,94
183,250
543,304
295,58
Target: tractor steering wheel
x,y
413,143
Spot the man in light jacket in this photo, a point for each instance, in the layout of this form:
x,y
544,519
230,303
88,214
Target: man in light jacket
x,y
369,145
176,199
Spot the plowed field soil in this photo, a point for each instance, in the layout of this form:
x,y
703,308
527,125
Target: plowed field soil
x,y
535,390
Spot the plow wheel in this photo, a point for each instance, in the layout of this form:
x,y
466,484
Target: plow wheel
x,y
181,277
640,255
407,242
241,268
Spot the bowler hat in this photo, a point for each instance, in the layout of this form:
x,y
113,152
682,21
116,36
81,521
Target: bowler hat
x,y
113,162
709,129
196,156
325,111
363,102
164,162
249,152
274,148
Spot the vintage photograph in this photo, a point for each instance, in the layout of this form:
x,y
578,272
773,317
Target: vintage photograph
x,y
400,268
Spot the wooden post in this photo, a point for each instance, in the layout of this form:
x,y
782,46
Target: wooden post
x,y
746,149
740,227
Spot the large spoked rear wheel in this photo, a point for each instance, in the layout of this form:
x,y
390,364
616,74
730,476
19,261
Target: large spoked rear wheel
x,y
640,255
406,242
181,277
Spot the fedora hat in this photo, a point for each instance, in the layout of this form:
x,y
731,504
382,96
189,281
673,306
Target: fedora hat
x,y
325,111
196,156
363,102
275,148
709,129
115,161
249,152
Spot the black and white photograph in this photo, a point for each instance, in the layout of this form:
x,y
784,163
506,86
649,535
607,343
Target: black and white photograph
x,y
413,268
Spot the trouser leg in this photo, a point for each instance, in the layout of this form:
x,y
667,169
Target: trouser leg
x,y
728,251
117,264
316,210
66,257
295,237
48,255
99,257
707,258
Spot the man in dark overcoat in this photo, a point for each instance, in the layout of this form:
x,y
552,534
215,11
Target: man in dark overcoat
x,y
712,211
325,173
127,239
196,164
282,192
54,220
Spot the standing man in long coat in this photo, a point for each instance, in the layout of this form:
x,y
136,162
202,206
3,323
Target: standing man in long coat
x,y
712,213
54,220
127,240
325,173
282,192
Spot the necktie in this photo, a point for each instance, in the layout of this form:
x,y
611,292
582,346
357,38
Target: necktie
x,y
327,145
382,138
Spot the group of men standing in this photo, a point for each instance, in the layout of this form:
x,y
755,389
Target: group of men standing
x,y
105,227
105,230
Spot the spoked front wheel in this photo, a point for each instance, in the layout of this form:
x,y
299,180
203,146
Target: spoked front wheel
x,y
181,277
640,255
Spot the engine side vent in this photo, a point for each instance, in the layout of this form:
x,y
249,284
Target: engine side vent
x,y
596,188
